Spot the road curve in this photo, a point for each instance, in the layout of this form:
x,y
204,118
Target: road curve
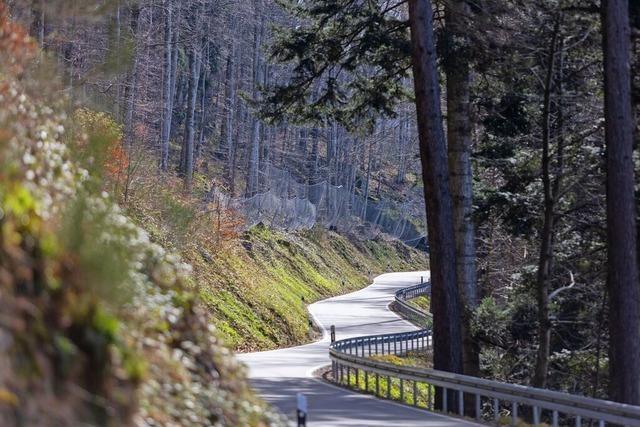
x,y
278,375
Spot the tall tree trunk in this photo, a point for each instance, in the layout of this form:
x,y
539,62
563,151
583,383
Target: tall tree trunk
x,y
226,130
174,77
118,45
132,81
447,339
238,137
313,159
166,87
403,134
204,75
622,272
254,159
363,214
332,148
461,182
545,261
188,145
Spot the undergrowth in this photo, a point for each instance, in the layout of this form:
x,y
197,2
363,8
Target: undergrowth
x,y
99,325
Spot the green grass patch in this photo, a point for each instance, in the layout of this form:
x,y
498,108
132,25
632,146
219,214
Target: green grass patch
x,y
422,302
421,395
259,288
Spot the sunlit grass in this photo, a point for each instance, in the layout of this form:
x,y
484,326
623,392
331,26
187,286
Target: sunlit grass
x,y
407,392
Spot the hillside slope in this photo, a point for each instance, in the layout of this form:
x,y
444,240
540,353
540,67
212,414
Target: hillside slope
x,y
258,285
258,290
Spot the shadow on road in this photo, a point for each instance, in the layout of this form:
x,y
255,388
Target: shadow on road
x,y
333,406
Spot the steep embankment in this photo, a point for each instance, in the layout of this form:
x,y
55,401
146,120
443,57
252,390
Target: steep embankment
x,y
257,285
258,290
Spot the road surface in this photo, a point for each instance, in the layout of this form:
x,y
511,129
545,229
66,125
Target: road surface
x,y
279,374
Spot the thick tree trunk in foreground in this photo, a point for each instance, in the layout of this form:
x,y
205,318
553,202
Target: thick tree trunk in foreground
x,y
447,340
622,274
459,151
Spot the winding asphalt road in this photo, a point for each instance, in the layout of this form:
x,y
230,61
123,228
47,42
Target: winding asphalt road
x,y
279,374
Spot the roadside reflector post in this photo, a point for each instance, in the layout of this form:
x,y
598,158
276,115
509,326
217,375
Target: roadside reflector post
x,y
301,402
333,333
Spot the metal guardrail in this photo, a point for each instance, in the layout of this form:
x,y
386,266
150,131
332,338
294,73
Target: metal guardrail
x,y
409,311
486,400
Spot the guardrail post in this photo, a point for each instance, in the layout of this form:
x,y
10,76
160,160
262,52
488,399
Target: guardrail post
x,y
461,403
514,413
366,381
401,390
377,385
578,421
478,410
496,410
333,333
554,419
415,393
388,387
445,393
536,416
357,376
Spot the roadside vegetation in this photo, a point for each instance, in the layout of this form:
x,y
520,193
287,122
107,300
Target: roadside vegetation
x,y
100,325
257,283
121,299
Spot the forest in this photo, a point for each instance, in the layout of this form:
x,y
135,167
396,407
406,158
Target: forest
x,y
180,178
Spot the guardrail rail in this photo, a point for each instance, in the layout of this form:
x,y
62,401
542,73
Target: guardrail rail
x,y
487,401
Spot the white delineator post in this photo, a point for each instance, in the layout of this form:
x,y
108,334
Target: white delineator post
x,y
302,409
